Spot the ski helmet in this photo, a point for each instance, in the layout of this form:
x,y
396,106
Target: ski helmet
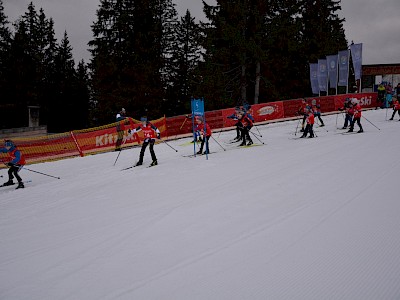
x,y
8,143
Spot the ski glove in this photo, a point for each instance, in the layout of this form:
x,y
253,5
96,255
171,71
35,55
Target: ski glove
x,y
158,136
10,164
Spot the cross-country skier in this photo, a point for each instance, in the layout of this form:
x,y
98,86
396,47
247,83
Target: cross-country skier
x,y
150,133
302,112
234,117
346,107
356,112
396,107
15,164
204,134
122,121
310,123
317,113
245,125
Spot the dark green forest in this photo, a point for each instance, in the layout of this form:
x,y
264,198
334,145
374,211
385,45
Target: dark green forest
x,y
149,60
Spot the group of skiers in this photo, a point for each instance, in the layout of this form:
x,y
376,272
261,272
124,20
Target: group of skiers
x,y
352,109
244,123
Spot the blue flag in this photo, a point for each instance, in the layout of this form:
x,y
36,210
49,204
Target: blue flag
x,y
322,75
332,62
356,55
314,78
343,68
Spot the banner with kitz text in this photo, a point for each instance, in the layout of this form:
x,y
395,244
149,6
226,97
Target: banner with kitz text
x,y
356,55
314,78
332,61
343,68
322,75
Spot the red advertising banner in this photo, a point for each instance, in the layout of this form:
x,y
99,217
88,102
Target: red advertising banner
x,y
367,100
103,138
268,111
291,107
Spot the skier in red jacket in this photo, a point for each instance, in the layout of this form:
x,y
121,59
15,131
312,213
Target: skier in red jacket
x,y
17,161
204,134
150,133
356,112
396,107
245,124
310,124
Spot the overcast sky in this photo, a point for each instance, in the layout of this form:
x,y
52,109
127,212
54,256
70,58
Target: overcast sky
x,y
375,23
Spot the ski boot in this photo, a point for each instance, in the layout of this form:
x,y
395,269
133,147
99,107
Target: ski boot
x,y
250,143
199,152
154,163
361,130
20,185
139,163
10,182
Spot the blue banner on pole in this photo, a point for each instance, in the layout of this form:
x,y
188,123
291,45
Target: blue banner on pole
x,y
343,68
198,107
332,61
314,78
198,112
356,55
322,75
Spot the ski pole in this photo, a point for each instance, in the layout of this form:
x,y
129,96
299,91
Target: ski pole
x,y
257,138
41,173
184,121
322,126
337,115
260,135
218,143
169,145
219,133
298,123
123,143
371,123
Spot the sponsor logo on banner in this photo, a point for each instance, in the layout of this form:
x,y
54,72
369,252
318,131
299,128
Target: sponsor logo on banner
x,y
266,110
110,139
366,101
343,60
333,65
314,74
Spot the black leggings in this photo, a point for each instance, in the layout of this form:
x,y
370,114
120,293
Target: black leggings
x,y
13,171
202,144
354,121
394,112
144,146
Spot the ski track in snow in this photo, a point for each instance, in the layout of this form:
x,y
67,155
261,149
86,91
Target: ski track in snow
x,y
293,219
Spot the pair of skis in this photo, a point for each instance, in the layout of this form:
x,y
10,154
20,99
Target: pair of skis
x,y
24,182
134,166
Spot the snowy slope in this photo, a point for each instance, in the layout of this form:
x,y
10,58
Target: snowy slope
x,y
294,219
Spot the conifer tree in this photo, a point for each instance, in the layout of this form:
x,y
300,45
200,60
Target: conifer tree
x,y
184,61
5,45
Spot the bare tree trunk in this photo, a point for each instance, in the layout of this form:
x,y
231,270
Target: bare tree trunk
x,y
243,83
257,84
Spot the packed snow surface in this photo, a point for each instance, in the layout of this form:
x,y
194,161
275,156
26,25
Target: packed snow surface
x,y
292,219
